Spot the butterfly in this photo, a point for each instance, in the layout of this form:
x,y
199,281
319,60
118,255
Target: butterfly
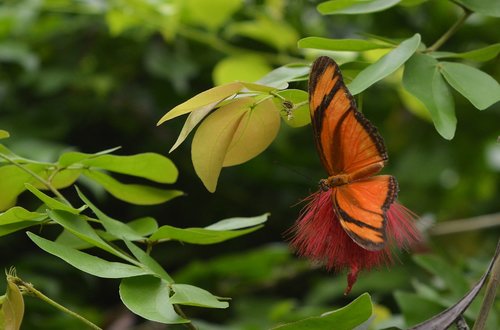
x,y
352,152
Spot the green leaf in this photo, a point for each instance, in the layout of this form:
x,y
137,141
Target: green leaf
x,y
151,166
210,14
17,218
355,6
53,203
485,7
280,77
112,226
340,44
212,139
12,307
348,317
148,262
193,296
132,193
238,223
85,262
294,117
481,55
275,33
479,88
211,96
77,225
422,79
193,119
385,65
4,134
256,130
246,67
72,157
12,183
144,226
148,296
415,308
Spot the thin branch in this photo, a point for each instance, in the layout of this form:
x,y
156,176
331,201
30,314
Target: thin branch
x,y
462,225
451,31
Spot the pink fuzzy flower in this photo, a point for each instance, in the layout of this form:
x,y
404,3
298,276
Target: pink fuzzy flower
x,y
318,235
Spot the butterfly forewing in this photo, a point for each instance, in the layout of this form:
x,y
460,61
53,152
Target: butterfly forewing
x,y
346,140
361,207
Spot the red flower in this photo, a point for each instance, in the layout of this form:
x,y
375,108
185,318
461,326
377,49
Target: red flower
x,y
318,235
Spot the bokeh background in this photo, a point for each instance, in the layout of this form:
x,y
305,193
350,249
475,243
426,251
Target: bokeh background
x,y
91,75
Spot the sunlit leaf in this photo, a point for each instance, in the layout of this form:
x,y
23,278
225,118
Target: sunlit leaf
x,y
212,139
481,55
211,96
53,203
280,77
132,193
478,87
193,296
238,223
18,214
151,166
348,317
12,183
198,235
355,6
422,79
12,308
72,157
85,262
385,65
148,296
247,67
255,132
257,87
210,14
4,134
294,117
340,44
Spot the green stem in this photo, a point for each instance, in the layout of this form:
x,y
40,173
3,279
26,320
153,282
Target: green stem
x,y
489,296
38,178
451,31
30,289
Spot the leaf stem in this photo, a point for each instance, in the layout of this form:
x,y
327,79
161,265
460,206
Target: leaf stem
x,y
38,178
29,289
489,297
451,31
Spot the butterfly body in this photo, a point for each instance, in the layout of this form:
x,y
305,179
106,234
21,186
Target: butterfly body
x,y
352,152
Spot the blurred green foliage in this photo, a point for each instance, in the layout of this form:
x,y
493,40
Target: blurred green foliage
x,y
89,75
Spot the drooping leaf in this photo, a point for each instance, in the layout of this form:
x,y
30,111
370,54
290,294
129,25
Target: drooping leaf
x,y
294,117
484,7
132,193
198,235
481,55
255,132
148,262
12,307
193,296
422,79
87,263
53,203
211,96
280,77
355,6
340,44
151,166
385,65
348,317
212,139
238,223
478,87
247,67
148,296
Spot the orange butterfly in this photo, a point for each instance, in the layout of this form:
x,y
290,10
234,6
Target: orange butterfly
x,y
352,152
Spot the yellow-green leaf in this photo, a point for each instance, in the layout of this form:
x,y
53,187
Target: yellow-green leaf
x,y
13,307
212,139
4,134
53,203
213,95
247,67
255,132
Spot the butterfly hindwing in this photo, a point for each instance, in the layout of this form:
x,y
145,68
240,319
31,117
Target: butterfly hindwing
x,y
361,207
347,142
